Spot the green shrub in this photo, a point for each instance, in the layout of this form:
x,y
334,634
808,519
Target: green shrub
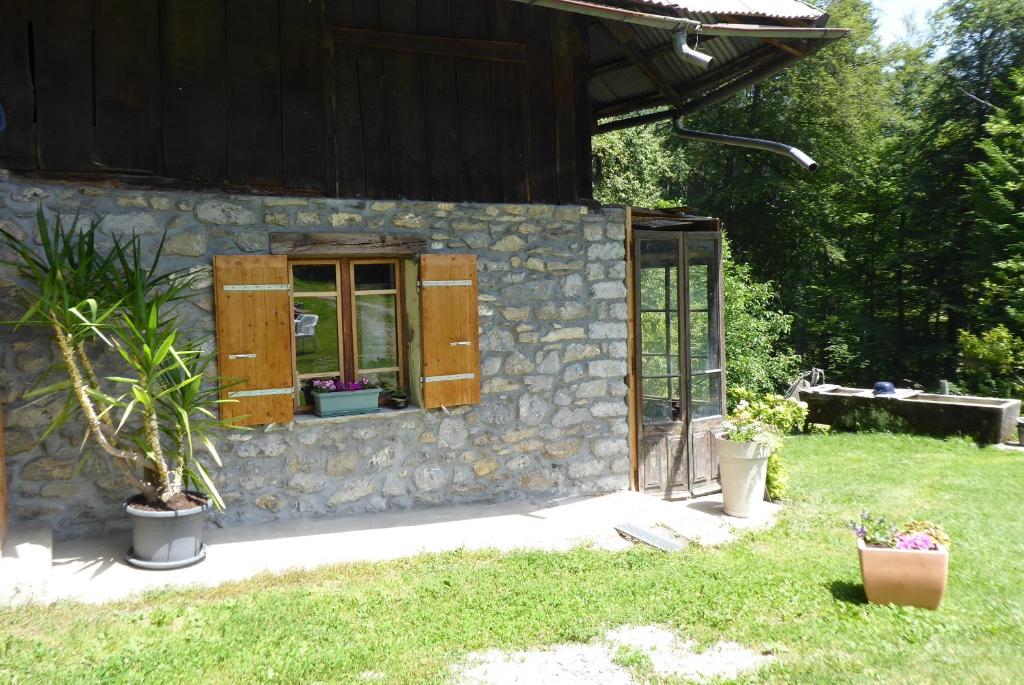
x,y
991,363
787,416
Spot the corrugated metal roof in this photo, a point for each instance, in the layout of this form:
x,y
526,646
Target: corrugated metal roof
x,y
778,9
618,87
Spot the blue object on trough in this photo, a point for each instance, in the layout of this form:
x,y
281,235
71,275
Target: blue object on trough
x,y
885,388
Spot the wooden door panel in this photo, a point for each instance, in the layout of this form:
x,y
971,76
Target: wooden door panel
x,y
677,467
701,467
652,462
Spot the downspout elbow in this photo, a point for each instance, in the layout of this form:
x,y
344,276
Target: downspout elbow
x,y
796,154
683,50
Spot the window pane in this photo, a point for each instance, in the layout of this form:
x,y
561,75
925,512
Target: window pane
x,y
661,400
701,354
659,332
702,295
314,278
706,396
376,331
659,274
374,276
316,335
385,379
698,286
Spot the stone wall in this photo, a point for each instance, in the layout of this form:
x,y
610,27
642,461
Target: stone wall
x,y
552,421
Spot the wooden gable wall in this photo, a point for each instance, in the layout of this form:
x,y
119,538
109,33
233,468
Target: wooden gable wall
x,y
481,100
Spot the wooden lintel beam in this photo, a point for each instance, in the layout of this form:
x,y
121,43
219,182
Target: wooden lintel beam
x,y
624,37
464,48
326,244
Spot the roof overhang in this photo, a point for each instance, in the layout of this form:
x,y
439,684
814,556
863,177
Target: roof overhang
x,y
637,76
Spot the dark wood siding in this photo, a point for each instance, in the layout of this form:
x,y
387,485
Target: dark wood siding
x,y
481,100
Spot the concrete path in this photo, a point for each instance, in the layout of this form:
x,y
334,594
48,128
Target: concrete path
x,y
93,570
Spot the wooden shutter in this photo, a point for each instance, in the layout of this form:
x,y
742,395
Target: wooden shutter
x,y
254,338
451,342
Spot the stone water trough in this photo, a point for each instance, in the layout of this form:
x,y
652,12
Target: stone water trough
x,y
988,420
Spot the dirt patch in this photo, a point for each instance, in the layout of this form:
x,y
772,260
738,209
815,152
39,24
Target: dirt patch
x,y
666,655
180,502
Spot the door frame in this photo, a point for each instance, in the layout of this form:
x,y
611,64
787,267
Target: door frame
x,y
673,223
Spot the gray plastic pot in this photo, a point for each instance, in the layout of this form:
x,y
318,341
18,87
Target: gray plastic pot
x,y
166,539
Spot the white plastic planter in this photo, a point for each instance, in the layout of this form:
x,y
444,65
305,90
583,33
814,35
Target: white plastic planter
x,y
744,470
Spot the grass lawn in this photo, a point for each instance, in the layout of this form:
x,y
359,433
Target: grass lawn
x,y
794,590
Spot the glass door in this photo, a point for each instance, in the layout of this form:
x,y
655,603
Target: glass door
x,y
660,371
678,359
704,335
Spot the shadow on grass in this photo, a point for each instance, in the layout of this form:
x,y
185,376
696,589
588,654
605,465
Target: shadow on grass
x,y
845,591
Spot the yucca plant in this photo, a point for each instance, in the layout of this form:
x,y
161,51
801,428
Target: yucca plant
x,y
158,414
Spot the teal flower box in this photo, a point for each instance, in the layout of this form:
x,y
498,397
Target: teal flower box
x,y
346,402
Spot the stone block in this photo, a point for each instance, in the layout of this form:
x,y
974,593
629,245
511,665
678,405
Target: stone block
x,y
606,252
610,447
587,469
188,244
560,334
222,212
609,409
453,433
561,449
517,365
276,218
609,290
352,491
61,490
429,478
563,312
606,368
510,243
602,330
48,468
138,223
306,483
485,467
271,503
252,241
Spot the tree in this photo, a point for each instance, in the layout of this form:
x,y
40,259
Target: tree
x,y
635,167
996,188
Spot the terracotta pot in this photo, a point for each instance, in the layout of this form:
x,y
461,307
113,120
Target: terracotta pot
x,y
908,577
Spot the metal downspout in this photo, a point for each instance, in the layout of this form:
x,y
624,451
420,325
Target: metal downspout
x,y
797,155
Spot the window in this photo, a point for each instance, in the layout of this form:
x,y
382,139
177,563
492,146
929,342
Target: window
x,y
282,322
348,321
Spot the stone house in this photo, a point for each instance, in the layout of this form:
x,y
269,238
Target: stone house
x,y
403,195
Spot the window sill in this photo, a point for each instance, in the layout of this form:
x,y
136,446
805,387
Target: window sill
x,y
314,420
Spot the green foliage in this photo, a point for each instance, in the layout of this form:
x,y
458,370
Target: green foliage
x,y
874,530
991,363
757,355
777,414
155,413
635,167
996,187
